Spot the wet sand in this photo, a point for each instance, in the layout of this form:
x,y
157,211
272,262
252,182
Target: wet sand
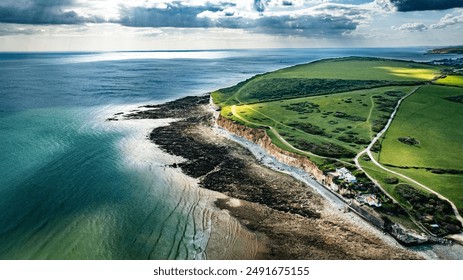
x,y
284,218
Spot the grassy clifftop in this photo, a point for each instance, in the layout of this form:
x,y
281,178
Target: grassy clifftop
x,y
331,110
325,77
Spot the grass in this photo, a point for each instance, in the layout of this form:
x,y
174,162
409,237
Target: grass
x,y
359,69
346,119
380,175
449,185
411,73
429,117
451,80
435,122
325,77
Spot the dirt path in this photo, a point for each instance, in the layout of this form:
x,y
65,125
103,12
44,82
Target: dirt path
x,y
378,136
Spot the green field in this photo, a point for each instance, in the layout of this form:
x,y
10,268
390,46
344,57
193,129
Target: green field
x,y
435,122
325,77
345,122
449,185
433,118
359,69
313,107
451,80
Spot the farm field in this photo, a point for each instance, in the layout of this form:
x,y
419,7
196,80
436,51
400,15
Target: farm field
x,y
433,121
451,80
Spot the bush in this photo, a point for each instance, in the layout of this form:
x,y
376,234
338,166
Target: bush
x,y
409,141
281,88
391,180
376,148
425,206
325,149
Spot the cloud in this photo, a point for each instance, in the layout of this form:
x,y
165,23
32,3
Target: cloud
x,y
419,5
320,20
306,25
259,5
449,19
172,15
42,12
306,18
416,26
7,30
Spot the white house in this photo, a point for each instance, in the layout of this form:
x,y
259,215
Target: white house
x,y
369,199
372,200
344,173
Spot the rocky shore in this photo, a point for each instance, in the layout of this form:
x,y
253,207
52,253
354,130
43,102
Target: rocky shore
x,y
290,220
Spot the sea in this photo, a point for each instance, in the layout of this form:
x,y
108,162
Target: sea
x,y
75,186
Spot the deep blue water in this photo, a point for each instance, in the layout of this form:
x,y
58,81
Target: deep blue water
x,y
73,186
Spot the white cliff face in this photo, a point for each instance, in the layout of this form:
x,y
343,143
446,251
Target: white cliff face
x,y
260,137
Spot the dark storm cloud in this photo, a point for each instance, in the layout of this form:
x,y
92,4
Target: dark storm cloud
x,y
41,12
318,23
173,15
306,25
421,5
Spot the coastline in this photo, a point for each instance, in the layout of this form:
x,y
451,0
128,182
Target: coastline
x,y
287,219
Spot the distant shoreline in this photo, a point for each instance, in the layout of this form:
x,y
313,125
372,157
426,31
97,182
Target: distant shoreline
x,y
447,50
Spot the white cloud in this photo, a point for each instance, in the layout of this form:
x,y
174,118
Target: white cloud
x,y
415,26
326,19
343,22
450,19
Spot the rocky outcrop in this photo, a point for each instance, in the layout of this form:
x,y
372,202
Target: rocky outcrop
x,y
260,137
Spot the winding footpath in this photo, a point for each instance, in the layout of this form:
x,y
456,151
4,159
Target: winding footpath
x,y
367,150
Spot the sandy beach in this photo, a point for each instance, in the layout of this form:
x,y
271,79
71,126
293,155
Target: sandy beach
x,y
277,216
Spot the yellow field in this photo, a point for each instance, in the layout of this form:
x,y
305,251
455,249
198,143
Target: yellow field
x,y
416,73
451,81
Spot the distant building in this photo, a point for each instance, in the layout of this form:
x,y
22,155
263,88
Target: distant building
x,y
369,199
344,174
372,200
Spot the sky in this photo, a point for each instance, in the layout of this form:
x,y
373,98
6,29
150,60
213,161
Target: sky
x,y
107,25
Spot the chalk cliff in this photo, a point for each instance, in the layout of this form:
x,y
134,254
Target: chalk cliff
x,y
260,137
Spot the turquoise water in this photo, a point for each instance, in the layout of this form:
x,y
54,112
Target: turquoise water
x,y
68,193
73,186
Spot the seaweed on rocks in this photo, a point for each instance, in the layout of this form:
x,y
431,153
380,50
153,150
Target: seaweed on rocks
x,y
225,167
